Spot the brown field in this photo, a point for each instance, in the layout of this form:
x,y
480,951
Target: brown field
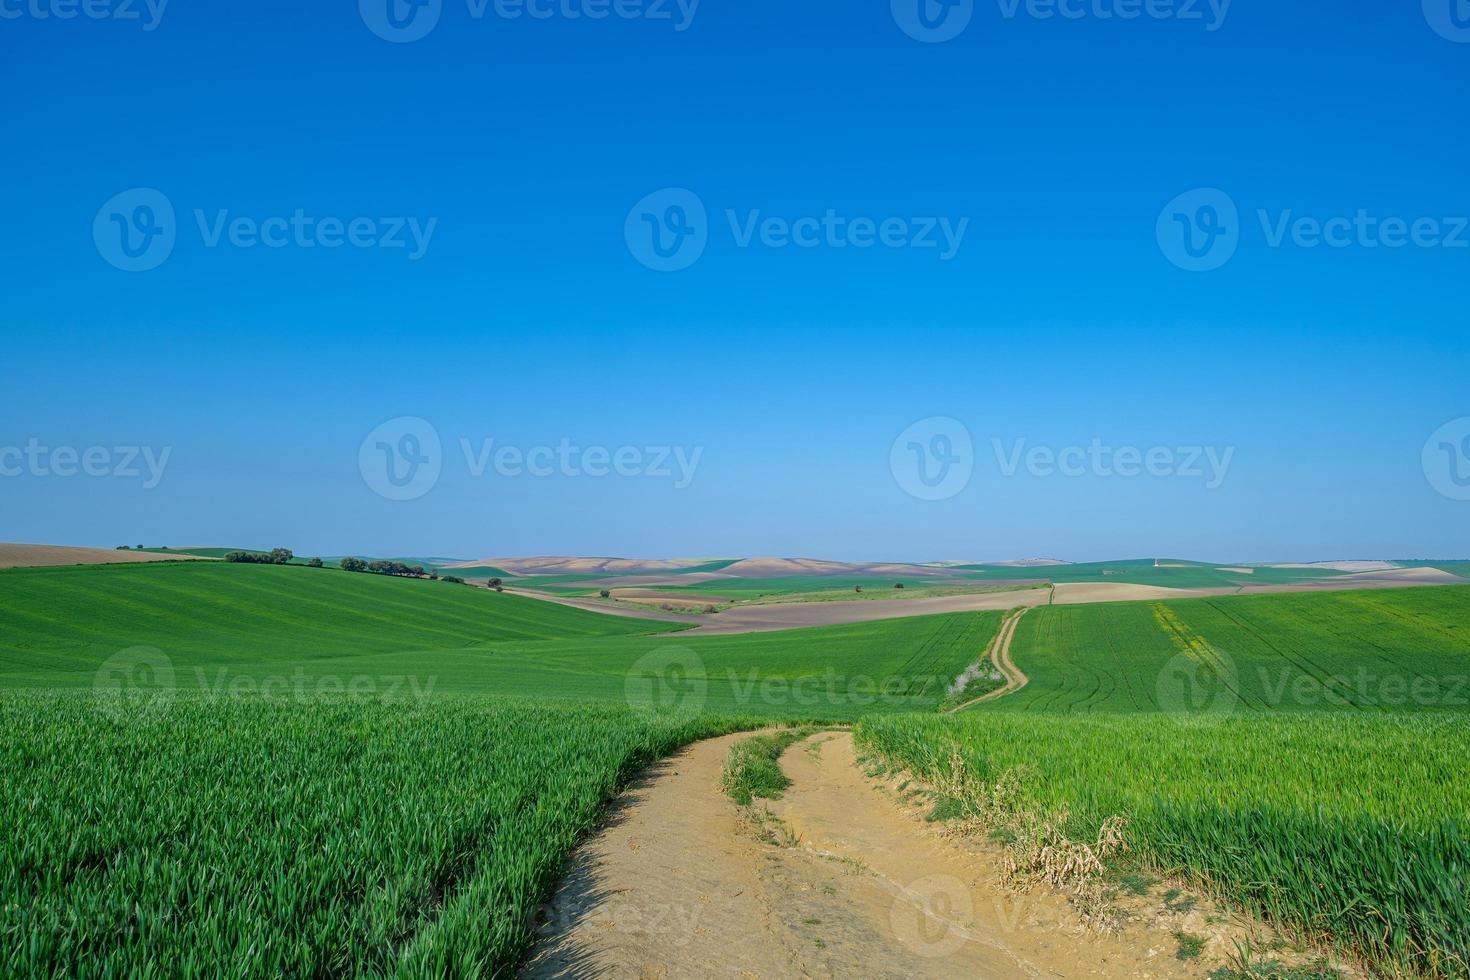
x,y
34,555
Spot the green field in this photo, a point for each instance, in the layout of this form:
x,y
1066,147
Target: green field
x,y
260,628
180,836
1352,829
424,754
1300,754
1369,650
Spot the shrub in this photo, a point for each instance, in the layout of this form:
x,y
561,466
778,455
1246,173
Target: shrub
x,y
453,578
605,594
898,585
315,563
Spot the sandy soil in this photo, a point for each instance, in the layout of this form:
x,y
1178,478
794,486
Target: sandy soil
x,y
1070,593
610,608
677,884
677,598
34,555
1340,566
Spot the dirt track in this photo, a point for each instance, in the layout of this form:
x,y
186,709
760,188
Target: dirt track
x,y
676,884
1000,654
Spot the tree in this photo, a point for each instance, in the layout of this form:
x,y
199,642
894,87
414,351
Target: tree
x,y
315,563
496,583
281,556
605,594
857,588
353,565
140,547
434,575
898,585
123,547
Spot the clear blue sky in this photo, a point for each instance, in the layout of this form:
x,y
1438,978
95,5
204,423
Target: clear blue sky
x,y
529,319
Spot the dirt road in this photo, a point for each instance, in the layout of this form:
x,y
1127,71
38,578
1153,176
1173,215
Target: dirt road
x,y
999,654
677,884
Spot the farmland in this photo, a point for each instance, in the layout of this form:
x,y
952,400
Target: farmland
x,y
425,754
247,838
1297,754
1359,651
1354,829
249,628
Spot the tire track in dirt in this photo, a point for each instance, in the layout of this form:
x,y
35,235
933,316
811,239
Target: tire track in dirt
x,y
833,880
1000,655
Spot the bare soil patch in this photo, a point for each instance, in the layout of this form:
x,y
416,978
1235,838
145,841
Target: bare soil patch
x,y
37,555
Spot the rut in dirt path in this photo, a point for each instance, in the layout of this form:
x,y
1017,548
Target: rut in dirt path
x,y
1000,655
679,884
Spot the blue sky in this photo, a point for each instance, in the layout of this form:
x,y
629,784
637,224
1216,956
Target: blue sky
x,y
519,147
